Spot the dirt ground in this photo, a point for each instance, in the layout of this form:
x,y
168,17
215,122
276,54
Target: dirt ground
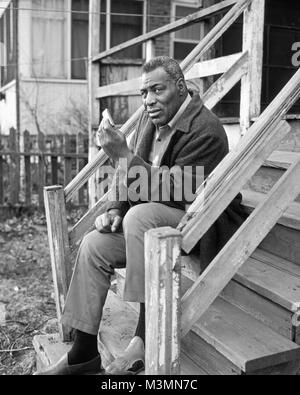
x,y
27,305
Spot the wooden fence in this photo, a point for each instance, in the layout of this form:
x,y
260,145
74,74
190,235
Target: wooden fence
x,y
44,160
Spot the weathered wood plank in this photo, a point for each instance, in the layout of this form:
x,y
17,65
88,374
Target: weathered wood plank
x,y
251,84
199,70
169,28
14,168
243,340
227,179
226,82
67,160
283,242
86,222
93,83
264,310
59,248
290,218
220,28
222,269
41,170
273,277
214,66
162,301
27,168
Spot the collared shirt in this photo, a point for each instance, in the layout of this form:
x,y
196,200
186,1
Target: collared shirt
x,y
164,134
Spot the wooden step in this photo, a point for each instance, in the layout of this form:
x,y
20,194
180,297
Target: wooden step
x,y
283,239
290,218
272,277
117,329
266,287
273,168
212,360
231,341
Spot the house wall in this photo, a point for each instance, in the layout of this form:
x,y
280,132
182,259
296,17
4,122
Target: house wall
x,y
8,117
56,103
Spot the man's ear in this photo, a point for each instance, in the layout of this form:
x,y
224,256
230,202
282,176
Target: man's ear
x,y
181,85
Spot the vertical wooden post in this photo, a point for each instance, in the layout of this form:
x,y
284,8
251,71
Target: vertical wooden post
x,y
41,150
27,168
93,84
251,84
14,174
67,160
150,49
80,163
162,279
54,162
59,248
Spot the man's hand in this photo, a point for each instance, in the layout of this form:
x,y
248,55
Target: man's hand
x,y
109,222
113,141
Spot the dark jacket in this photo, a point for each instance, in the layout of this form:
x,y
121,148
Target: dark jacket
x,y
199,140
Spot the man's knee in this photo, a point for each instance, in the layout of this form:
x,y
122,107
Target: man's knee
x,y
141,217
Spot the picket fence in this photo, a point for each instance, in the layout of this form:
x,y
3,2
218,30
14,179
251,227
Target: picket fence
x,y
45,160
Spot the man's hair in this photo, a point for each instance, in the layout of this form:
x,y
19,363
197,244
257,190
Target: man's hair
x,y
170,65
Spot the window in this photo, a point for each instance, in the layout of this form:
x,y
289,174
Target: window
x,y
79,38
7,43
49,39
186,39
124,22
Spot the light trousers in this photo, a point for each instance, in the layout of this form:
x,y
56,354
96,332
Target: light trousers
x,y
98,256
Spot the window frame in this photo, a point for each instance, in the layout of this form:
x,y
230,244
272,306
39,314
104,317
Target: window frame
x,y
195,4
108,23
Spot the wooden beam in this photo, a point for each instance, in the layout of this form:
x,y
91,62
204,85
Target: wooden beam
x,y
93,83
59,249
290,218
199,70
150,49
216,32
238,166
226,82
213,66
253,38
127,128
162,299
86,222
218,274
169,28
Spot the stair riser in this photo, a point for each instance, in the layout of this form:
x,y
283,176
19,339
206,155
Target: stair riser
x,y
283,242
264,310
214,363
264,179
207,357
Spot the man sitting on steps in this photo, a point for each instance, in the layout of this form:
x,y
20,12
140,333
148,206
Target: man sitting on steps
x,y
176,129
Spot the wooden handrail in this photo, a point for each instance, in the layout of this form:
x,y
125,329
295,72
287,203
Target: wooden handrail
x,y
186,64
238,166
169,28
221,270
199,70
211,97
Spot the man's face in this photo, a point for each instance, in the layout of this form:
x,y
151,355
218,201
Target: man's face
x,y
162,97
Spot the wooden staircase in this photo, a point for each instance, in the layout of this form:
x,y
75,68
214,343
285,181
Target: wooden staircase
x,y
253,327
242,314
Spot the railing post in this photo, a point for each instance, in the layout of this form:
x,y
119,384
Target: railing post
x,y
93,83
253,37
150,49
59,249
162,291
